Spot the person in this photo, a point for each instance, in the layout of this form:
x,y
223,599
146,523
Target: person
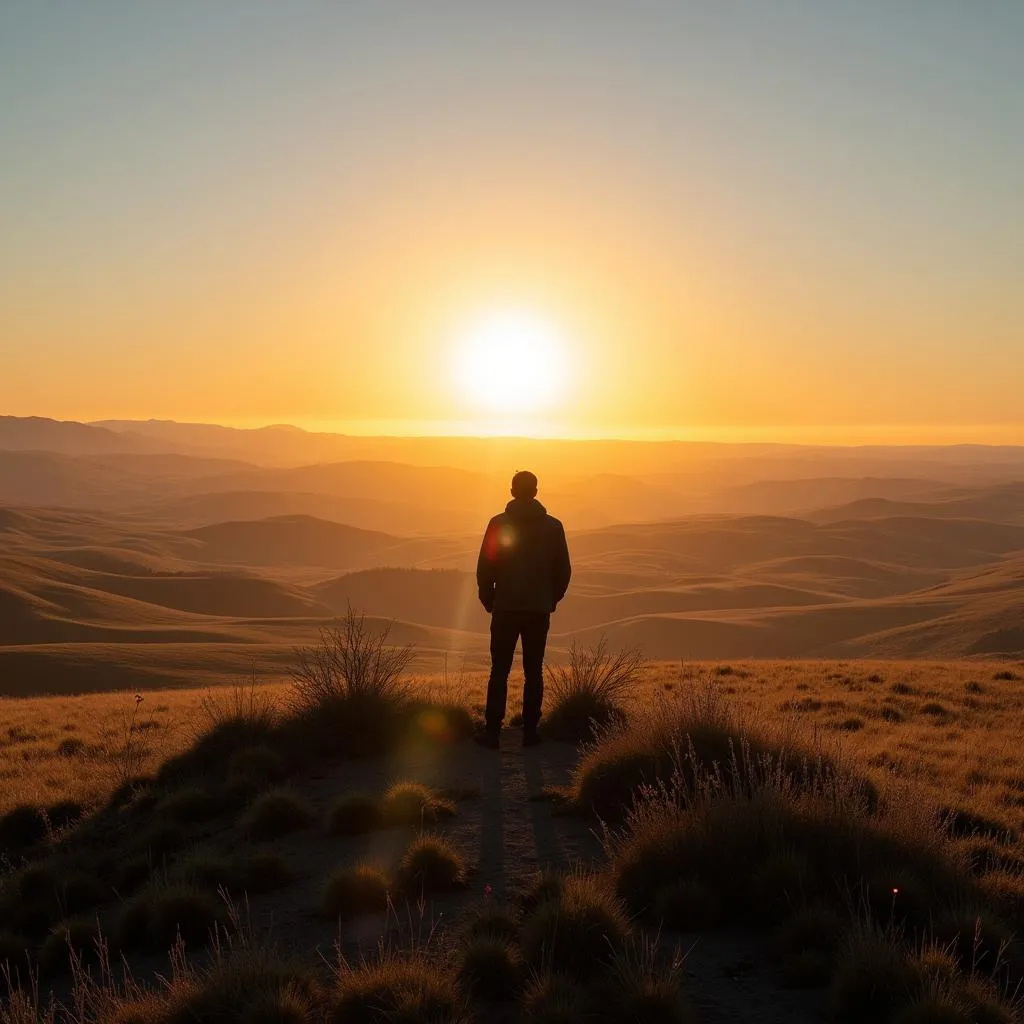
x,y
522,573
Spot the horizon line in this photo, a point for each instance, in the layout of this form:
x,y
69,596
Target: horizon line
x,y
835,436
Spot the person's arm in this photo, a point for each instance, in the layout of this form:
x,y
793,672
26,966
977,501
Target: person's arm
x,y
562,569
486,577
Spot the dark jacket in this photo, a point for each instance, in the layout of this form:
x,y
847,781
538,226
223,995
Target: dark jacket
x,y
524,560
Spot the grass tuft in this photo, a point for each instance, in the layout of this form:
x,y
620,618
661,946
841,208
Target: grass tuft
x,y
81,935
249,983
686,905
492,921
430,864
407,989
553,999
21,827
589,693
153,919
277,813
874,981
354,814
490,968
579,932
257,764
189,805
350,891
253,873
543,887
645,987
411,803
808,943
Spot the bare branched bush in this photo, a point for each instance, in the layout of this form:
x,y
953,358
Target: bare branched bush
x,y
351,660
591,691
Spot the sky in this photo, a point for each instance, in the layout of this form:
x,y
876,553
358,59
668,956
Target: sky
x,y
787,220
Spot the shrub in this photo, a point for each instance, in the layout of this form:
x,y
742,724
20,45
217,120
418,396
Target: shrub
x,y
349,691
230,720
258,764
808,943
354,814
430,864
161,839
490,968
590,691
185,911
153,919
276,813
543,887
492,921
22,827
690,742
441,722
1005,674
643,988
80,934
64,813
349,661
355,890
874,980
57,889
79,891
12,948
553,999
37,882
249,983
763,841
975,935
189,805
686,905
261,872
397,988
580,931
131,873
255,873
411,803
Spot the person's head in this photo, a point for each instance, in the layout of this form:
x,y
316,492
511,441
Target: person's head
x,y
524,484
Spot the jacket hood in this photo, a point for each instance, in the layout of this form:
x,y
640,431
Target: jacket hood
x,y
525,507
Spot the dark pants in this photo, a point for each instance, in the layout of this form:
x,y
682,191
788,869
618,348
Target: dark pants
x,y
506,628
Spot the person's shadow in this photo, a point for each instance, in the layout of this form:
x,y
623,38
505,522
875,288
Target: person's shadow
x,y
492,824
550,852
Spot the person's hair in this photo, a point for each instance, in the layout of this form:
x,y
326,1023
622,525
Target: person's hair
x,y
524,484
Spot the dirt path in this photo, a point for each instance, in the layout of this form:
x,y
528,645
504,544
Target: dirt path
x,y
503,832
505,835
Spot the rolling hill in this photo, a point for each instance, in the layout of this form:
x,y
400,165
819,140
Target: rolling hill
x,y
190,561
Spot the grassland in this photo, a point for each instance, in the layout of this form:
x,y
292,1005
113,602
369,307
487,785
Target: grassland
x,y
952,728
852,829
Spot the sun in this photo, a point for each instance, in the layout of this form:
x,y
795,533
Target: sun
x,y
511,361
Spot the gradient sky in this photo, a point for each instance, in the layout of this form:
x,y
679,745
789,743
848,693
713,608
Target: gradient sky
x,y
785,219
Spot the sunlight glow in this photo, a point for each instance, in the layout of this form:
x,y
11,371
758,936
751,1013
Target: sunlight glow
x,y
511,361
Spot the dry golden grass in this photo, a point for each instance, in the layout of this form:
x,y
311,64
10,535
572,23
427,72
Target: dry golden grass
x,y
952,727
79,748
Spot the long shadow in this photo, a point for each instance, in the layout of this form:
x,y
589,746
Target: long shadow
x,y
550,852
492,820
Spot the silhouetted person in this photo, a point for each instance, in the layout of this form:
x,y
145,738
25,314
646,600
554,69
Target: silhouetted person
x,y
523,572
